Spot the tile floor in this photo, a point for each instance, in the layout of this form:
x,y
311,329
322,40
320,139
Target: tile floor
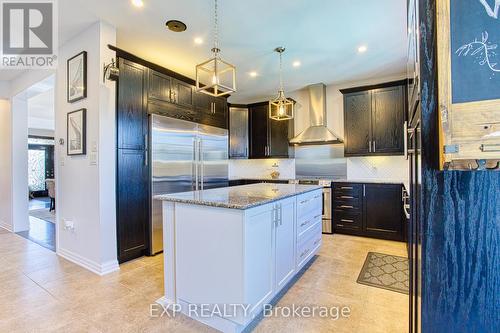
x,y
41,292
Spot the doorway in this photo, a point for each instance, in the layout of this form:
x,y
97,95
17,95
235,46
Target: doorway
x,y
39,104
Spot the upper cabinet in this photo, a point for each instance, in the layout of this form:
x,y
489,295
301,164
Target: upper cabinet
x,y
238,134
374,119
268,138
212,111
171,97
131,109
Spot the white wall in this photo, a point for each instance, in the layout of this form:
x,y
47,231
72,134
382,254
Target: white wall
x,y
261,168
85,185
5,165
4,89
20,191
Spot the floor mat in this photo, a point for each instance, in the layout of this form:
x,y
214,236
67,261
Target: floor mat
x,y
386,272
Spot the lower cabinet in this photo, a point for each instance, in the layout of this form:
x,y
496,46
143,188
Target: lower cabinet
x,y
371,210
284,238
132,204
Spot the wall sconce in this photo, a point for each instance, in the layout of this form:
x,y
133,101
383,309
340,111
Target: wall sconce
x,y
110,72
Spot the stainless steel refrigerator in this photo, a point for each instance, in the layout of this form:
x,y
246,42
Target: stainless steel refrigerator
x,y
185,156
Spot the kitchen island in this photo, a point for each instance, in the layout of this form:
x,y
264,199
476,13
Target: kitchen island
x,y
229,251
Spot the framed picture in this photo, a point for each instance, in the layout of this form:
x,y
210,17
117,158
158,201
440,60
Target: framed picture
x,y
77,132
77,77
468,80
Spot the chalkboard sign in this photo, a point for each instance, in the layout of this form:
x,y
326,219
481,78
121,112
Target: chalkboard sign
x,y
468,51
475,50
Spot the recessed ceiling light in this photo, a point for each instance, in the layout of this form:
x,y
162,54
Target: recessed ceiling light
x,y
198,41
362,49
138,3
253,74
296,63
176,25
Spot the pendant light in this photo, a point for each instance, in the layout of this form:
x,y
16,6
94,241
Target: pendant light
x,y
281,108
215,76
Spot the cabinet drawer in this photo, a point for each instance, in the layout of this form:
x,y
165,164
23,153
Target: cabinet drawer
x,y
348,221
309,203
352,190
353,206
307,221
308,244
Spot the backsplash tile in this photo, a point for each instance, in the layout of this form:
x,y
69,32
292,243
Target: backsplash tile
x,y
390,168
261,168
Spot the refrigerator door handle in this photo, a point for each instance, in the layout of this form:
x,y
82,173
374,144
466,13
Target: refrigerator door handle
x,y
195,164
202,166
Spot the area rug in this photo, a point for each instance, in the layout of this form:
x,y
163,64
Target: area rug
x,y
44,214
386,272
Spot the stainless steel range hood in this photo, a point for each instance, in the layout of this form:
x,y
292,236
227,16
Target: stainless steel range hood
x,y
317,133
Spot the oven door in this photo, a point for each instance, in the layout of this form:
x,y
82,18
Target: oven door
x,y
327,211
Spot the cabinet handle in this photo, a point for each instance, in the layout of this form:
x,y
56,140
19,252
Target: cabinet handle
x,y
347,220
317,241
345,206
346,188
305,223
374,146
346,197
364,191
370,146
405,139
340,225
317,216
304,253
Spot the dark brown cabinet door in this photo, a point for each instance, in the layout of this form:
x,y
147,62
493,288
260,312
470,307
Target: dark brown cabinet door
x,y
160,87
132,203
182,94
131,110
387,120
357,123
278,138
258,131
383,211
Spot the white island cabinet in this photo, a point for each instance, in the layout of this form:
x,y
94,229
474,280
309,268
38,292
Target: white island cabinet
x,y
228,252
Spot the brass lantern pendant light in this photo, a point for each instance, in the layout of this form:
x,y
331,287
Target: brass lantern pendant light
x,y
281,108
215,76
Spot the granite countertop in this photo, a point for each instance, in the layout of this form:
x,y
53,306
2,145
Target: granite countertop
x,y
239,197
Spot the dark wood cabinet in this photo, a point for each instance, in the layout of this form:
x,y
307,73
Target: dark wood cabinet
x,y
132,204
374,119
268,138
383,211
132,187
388,117
131,106
258,130
167,89
357,120
212,111
371,210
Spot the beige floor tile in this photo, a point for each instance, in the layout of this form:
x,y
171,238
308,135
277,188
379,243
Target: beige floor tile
x,y
41,292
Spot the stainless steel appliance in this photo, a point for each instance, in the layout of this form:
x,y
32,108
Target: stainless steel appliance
x,y
327,200
185,156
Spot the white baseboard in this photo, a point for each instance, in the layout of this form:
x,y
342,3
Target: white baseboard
x,y
6,226
100,269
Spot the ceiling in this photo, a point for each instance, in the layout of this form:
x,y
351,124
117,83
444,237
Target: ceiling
x,y
324,35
